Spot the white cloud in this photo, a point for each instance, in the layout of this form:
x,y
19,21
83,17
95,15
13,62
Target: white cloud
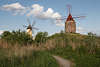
x,y
16,8
38,11
35,10
13,6
49,14
59,23
1,31
56,15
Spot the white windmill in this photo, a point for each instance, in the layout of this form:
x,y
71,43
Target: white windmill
x,y
30,28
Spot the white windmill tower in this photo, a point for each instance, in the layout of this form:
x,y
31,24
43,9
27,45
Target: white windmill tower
x,y
30,28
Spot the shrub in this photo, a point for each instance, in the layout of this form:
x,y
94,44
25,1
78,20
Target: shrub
x,y
16,37
41,37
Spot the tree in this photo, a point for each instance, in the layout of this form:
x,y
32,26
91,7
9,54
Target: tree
x,y
17,37
41,37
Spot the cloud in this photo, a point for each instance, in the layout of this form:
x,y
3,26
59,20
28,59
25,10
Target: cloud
x,y
1,31
35,10
38,12
49,14
16,8
59,23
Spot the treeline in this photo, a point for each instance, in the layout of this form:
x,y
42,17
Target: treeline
x,y
90,41
22,38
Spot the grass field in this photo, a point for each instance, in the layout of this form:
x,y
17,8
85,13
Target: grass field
x,y
35,59
17,49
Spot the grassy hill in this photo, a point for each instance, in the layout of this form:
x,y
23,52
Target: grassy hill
x,y
17,49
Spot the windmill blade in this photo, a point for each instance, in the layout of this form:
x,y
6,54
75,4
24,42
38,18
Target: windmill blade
x,y
25,26
32,31
35,28
28,21
79,17
61,18
69,8
33,23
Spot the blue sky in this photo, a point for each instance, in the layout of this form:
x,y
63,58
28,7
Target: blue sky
x,y
14,14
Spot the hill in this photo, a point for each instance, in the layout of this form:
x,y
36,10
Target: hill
x,y
17,49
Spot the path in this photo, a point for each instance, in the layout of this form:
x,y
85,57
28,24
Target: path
x,y
62,62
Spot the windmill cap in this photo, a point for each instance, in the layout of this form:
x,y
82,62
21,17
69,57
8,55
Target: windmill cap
x,y
70,18
29,27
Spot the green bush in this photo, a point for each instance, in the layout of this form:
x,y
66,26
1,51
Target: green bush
x,y
16,37
41,37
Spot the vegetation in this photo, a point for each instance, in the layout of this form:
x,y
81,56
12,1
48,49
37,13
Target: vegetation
x,y
21,53
35,59
41,37
82,50
86,52
17,37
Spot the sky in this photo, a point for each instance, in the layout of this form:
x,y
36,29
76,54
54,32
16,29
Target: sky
x,y
14,14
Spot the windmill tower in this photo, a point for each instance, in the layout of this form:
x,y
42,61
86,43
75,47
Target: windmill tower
x,y
70,24
30,28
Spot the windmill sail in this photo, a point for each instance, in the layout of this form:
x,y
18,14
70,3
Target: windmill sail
x,y
30,28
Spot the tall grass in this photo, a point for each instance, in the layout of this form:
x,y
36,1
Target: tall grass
x,y
83,50
25,57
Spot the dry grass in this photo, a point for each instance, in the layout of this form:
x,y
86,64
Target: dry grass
x,y
3,44
21,51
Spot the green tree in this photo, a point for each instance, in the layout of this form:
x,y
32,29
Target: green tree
x,y
19,37
41,37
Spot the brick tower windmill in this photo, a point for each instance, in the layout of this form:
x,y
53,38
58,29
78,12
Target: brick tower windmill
x,y
70,24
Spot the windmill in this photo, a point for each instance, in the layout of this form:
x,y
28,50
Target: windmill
x,y
70,24
30,28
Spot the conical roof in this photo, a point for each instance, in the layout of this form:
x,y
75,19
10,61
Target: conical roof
x,y
29,27
70,18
